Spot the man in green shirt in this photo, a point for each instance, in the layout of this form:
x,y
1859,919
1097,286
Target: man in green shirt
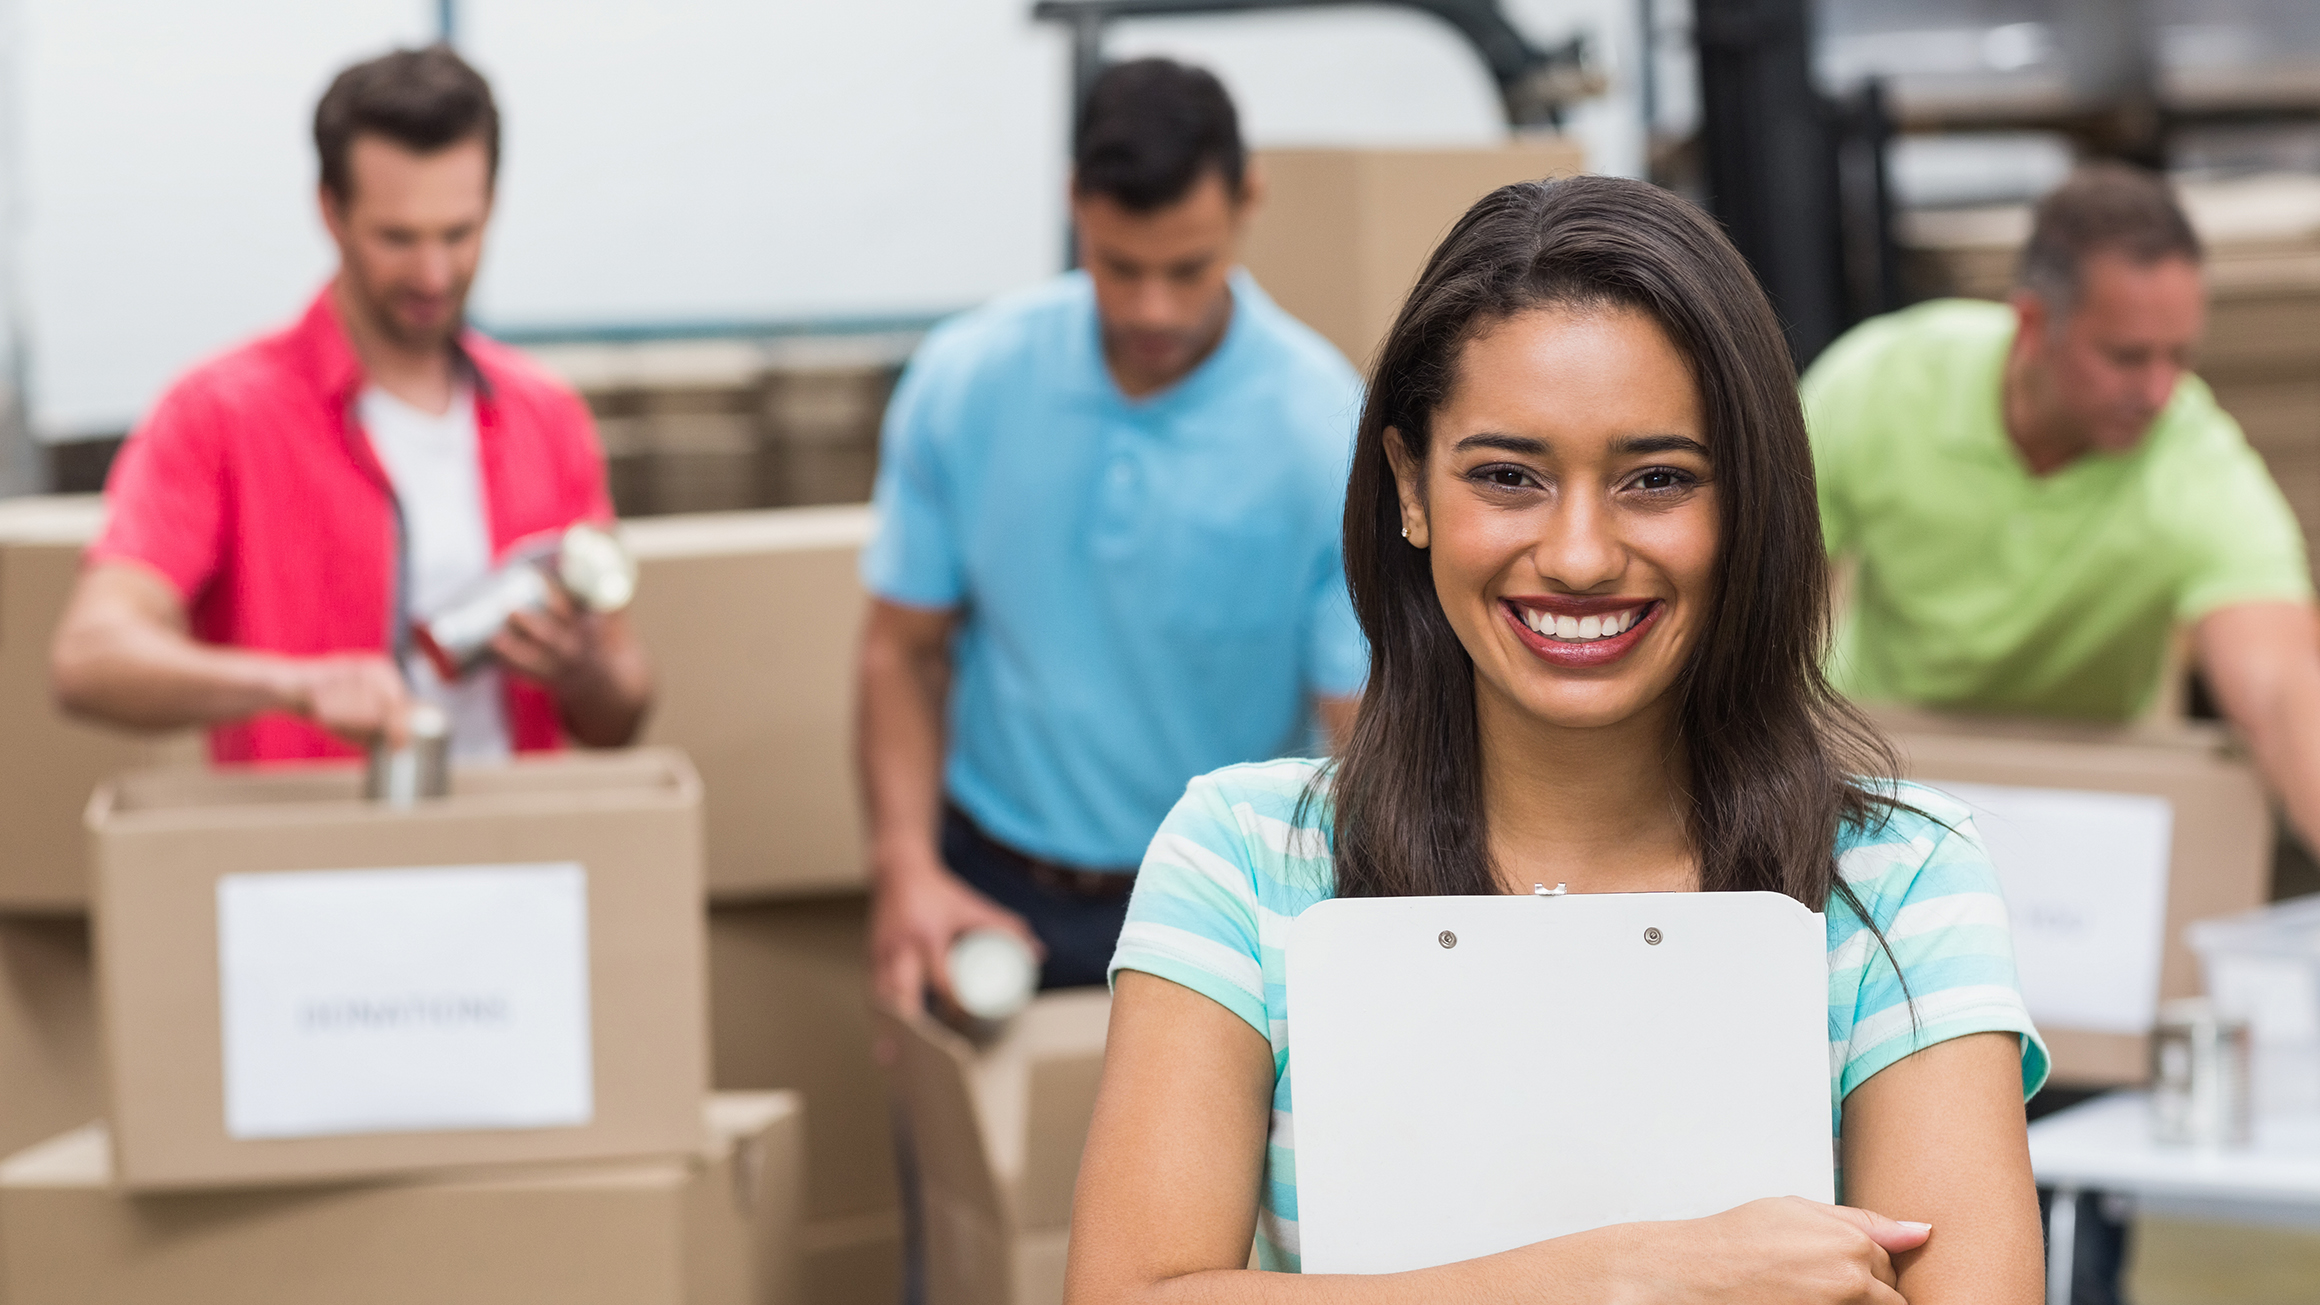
x,y
2039,494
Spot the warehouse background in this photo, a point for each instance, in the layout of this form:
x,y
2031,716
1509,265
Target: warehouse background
x,y
681,167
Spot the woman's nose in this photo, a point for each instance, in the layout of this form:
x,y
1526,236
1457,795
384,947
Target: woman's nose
x,y
1579,550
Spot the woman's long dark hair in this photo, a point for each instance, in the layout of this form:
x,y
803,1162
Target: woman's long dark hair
x,y
1773,751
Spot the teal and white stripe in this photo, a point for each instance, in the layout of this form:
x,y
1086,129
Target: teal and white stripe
x,y
1232,867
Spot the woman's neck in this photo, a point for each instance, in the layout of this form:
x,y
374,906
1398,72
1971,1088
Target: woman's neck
x,y
1601,810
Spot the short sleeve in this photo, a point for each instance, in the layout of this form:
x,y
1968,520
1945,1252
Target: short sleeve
x,y
2246,545
914,557
1936,898
1336,653
165,496
1193,917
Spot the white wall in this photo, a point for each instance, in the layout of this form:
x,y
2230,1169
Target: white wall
x,y
168,202
668,161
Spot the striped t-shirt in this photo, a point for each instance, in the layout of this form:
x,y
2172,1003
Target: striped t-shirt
x,y
1233,865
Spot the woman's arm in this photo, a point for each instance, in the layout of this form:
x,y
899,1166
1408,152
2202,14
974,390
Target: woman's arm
x,y
1167,1199
1938,1138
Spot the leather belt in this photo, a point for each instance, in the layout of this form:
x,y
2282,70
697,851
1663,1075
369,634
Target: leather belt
x,y
1062,880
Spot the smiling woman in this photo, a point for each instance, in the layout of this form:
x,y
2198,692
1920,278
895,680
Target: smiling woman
x,y
1583,543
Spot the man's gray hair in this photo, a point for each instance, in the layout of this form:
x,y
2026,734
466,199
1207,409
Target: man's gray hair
x,y
2103,208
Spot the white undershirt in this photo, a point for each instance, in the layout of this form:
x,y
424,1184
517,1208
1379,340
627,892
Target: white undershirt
x,y
438,482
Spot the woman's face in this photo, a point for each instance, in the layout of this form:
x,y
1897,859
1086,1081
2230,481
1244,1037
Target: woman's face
x,y
1569,509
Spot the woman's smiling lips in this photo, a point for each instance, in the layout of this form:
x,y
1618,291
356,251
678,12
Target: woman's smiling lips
x,y
1576,632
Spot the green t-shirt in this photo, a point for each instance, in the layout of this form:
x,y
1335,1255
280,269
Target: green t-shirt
x,y
1983,587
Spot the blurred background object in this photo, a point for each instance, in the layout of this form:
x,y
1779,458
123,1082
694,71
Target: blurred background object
x,y
660,212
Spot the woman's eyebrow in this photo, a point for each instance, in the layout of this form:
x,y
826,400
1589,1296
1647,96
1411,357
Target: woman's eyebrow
x,y
1504,443
1660,444
1629,446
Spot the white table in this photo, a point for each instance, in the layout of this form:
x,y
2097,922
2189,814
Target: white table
x,y
2105,1145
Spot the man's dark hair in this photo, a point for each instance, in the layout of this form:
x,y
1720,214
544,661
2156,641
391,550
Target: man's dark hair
x,y
423,100
2104,208
1148,132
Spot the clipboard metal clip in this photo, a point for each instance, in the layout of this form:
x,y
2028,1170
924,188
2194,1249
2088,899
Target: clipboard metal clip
x,y
1559,890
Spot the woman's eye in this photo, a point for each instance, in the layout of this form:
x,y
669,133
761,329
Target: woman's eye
x,y
1505,477
1661,480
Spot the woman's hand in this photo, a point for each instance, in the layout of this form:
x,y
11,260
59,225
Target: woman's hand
x,y
1783,1249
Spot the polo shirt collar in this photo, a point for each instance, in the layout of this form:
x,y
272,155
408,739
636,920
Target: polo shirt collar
x,y
1988,439
1221,361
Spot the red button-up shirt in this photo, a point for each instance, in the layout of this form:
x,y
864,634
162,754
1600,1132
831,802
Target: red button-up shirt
x,y
252,489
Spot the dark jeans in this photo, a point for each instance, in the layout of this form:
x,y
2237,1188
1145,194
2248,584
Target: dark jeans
x,y
1079,932
2099,1252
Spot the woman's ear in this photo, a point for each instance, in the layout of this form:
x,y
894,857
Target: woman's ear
x,y
1409,476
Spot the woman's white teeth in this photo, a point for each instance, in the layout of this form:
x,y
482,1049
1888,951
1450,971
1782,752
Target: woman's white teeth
x,y
1581,627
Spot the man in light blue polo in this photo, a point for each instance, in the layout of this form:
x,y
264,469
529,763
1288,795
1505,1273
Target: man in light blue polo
x,y
1107,557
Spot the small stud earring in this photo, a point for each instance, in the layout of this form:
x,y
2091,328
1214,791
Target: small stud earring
x,y
1405,532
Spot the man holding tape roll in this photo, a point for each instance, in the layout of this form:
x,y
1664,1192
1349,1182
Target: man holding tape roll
x,y
1107,554
291,512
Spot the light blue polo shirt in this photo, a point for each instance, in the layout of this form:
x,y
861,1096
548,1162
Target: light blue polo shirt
x,y
1149,589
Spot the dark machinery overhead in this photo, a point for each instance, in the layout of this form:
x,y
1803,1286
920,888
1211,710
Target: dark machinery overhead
x,y
1535,86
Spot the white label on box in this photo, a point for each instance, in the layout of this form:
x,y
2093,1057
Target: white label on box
x,y
2085,878
368,1001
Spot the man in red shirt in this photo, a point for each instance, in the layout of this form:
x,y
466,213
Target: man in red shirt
x,y
289,510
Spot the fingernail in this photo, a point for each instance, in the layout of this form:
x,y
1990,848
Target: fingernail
x,y
1914,1227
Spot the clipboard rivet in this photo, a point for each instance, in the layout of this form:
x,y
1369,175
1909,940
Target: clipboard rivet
x,y
1448,939
1651,936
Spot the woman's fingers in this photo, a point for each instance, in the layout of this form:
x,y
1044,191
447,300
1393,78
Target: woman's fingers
x,y
1894,1235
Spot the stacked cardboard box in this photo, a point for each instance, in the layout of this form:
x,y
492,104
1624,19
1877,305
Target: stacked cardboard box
x,y
50,1075
751,620
2218,860
789,996
51,764
711,1227
998,1129
49,1078
228,906
1343,233
2262,353
220,1036
729,424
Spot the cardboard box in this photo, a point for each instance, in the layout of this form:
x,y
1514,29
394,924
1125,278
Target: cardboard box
x,y
2221,854
50,764
51,1078
821,428
714,1228
998,1130
751,620
789,998
163,841
1343,233
855,1260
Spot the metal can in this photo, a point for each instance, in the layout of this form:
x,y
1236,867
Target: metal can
x,y
586,562
421,768
2200,1086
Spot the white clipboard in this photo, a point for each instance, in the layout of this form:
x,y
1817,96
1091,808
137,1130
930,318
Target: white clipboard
x,y
1473,1074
